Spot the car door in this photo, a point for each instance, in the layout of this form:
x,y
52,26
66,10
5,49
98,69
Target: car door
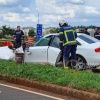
x,y
38,53
53,51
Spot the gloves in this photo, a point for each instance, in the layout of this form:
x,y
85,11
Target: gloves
x,y
61,48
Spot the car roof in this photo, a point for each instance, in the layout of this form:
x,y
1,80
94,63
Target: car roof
x,y
54,34
51,34
78,39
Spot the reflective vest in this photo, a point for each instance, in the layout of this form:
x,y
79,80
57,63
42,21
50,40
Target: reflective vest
x,y
30,40
67,36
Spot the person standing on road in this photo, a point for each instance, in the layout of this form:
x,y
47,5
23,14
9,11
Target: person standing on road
x,y
68,42
85,31
18,36
97,33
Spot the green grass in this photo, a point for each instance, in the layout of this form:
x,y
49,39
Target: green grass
x,y
50,74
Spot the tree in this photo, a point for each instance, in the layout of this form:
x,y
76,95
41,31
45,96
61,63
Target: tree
x,y
54,30
1,35
6,31
78,27
31,32
93,27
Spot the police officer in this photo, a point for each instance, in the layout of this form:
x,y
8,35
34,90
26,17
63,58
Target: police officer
x,y
97,33
18,36
67,42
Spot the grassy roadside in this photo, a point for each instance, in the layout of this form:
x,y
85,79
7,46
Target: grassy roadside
x,y
84,80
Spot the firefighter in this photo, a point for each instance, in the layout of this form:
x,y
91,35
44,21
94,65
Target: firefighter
x,y
18,37
67,43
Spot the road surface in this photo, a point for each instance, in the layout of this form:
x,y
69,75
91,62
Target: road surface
x,y
16,92
12,93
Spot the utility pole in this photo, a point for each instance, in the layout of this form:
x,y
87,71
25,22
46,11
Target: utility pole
x,y
38,18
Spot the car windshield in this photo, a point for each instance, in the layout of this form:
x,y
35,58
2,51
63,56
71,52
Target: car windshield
x,y
42,42
88,39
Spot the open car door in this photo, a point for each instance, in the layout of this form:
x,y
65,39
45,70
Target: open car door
x,y
53,51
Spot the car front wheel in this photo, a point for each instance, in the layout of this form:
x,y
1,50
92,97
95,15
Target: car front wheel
x,y
81,63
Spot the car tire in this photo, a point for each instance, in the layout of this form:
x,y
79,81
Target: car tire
x,y
81,63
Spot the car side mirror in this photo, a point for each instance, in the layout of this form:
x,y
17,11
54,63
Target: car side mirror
x,y
28,52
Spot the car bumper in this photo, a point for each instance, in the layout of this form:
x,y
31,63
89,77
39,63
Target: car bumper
x,y
93,61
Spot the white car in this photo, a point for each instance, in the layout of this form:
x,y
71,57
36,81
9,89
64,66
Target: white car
x,y
46,50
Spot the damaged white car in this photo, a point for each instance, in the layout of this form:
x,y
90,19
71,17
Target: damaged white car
x,y
46,50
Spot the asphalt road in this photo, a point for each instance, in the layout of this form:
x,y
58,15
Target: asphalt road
x,y
13,93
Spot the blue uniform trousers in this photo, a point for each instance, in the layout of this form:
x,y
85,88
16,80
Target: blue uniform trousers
x,y
66,52
17,43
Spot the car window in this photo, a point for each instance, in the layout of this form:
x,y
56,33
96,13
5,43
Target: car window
x,y
55,42
43,42
88,39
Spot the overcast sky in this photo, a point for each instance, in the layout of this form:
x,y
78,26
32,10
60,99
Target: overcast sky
x,y
25,12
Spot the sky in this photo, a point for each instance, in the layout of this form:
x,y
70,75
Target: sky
x,y
26,13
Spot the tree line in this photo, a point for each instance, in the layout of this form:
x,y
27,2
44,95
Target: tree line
x,y
7,32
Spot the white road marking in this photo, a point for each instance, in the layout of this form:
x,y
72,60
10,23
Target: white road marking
x,y
32,92
0,91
